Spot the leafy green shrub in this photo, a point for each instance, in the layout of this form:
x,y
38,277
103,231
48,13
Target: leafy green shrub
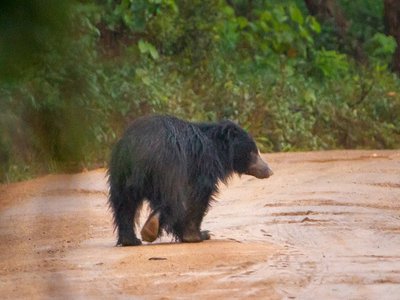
x,y
380,49
331,64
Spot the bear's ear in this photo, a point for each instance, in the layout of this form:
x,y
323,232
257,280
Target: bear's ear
x,y
229,130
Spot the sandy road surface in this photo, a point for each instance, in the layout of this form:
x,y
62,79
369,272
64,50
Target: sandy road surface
x,y
325,226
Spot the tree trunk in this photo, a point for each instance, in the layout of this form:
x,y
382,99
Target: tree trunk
x,y
328,10
392,27
331,12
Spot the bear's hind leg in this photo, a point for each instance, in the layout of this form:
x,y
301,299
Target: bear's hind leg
x,y
124,219
151,229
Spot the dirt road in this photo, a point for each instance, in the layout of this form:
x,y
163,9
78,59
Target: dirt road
x,y
325,226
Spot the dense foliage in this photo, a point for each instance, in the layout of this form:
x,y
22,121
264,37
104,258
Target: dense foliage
x,y
268,65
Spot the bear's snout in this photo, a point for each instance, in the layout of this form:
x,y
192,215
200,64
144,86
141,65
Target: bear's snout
x,y
259,168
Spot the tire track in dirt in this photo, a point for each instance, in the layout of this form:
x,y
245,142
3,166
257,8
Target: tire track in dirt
x,y
326,239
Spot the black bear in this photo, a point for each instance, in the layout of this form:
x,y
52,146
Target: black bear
x,y
175,165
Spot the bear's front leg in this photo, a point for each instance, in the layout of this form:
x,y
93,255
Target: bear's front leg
x,y
193,220
193,234
205,235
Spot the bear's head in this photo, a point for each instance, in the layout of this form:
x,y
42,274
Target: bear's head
x,y
243,152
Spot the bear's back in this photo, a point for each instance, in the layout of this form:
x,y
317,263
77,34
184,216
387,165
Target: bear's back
x,y
162,142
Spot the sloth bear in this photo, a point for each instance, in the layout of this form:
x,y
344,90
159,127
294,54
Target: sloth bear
x,y
175,165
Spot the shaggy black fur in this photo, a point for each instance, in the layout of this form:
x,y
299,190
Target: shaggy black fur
x,y
176,166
